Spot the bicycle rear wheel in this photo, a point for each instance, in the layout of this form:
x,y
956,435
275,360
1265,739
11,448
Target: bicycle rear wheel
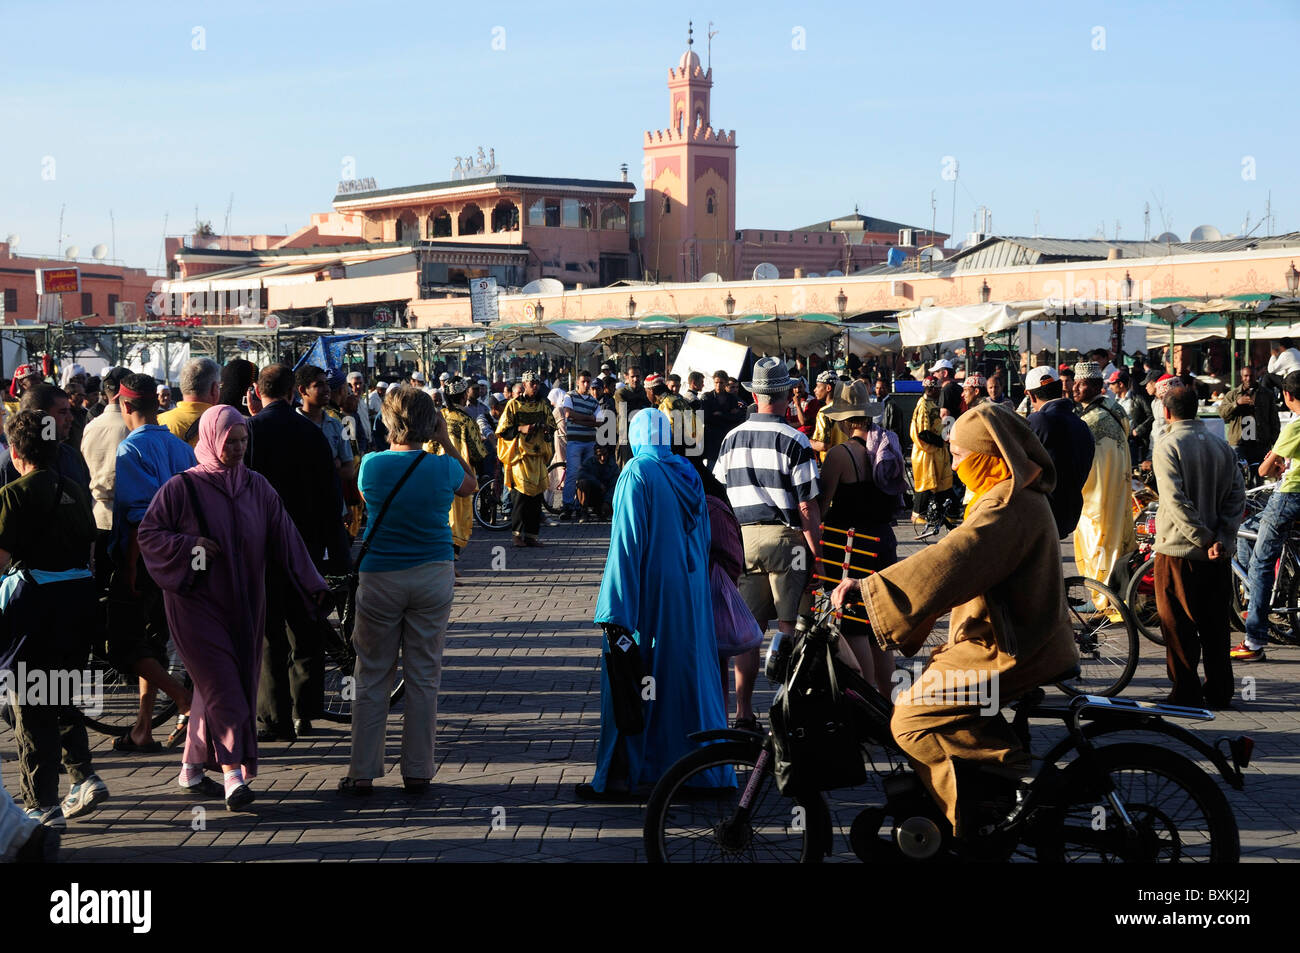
x,y
114,699
340,665
491,510
1140,597
1180,814
690,818
1106,635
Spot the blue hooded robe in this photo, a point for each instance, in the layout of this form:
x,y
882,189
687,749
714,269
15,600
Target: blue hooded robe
x,y
656,585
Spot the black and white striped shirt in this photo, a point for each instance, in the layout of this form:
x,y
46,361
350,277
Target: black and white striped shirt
x,y
769,468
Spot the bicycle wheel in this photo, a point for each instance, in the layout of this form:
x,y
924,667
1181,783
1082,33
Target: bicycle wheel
x,y
1140,597
1106,635
1180,813
1282,624
340,666
490,510
553,497
114,696
687,820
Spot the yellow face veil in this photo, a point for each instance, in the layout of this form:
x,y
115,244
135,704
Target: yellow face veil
x,y
980,472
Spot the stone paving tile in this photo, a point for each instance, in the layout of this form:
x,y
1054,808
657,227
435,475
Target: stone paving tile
x,y
519,716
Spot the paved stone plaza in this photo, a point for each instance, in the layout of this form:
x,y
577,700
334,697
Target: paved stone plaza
x,y
518,722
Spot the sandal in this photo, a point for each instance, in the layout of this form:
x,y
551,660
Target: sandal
x,y
178,733
126,745
351,787
204,788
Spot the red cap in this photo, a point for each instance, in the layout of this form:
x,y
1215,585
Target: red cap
x,y
652,380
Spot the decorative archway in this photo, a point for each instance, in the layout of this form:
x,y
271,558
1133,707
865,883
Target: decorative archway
x,y
439,223
470,220
505,216
408,227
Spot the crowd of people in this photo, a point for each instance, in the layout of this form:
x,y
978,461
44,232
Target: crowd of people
x,y
205,524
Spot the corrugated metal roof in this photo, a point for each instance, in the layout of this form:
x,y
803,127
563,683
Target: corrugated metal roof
x,y
868,224
1009,250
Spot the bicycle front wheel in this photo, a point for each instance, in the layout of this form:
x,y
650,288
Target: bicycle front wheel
x,y
691,819
1140,597
1106,635
491,511
1179,814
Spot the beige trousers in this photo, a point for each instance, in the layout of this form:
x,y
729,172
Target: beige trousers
x,y
404,610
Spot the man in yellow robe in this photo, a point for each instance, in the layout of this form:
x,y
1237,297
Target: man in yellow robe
x,y
999,574
1105,534
826,432
524,449
468,441
931,461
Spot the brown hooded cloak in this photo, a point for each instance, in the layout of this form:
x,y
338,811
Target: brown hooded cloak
x,y
999,574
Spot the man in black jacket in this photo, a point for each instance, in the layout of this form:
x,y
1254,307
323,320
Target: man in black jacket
x,y
295,457
1067,440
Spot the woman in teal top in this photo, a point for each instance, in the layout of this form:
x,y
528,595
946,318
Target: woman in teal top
x,y
405,590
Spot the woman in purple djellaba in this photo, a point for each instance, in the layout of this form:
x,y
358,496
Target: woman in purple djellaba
x,y
206,539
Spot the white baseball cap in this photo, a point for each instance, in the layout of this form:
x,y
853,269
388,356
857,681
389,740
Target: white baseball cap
x,y
944,365
1040,375
417,376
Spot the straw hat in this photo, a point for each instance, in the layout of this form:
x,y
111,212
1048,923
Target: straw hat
x,y
853,400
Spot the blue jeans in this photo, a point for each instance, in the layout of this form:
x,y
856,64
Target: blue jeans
x,y
576,452
1260,562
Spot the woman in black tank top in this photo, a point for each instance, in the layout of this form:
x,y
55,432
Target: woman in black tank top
x,y
860,482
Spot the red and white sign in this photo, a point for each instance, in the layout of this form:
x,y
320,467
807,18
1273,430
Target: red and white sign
x,y
272,322
57,281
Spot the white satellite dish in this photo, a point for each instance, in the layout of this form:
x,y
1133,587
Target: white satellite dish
x,y
14,240
543,286
711,278
834,273
932,254
1205,233
766,271
72,251
214,246
812,274
99,252
1168,238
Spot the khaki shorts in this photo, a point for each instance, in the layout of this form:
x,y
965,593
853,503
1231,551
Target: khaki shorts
x,y
771,586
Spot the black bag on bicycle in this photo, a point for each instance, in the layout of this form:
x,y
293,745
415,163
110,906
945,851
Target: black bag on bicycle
x,y
813,727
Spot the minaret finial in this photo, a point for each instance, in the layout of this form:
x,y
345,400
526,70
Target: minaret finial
x,y
690,33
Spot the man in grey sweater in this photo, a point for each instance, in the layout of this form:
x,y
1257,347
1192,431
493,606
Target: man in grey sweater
x,y
1201,502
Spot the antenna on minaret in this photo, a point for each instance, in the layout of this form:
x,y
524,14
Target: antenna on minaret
x,y
712,33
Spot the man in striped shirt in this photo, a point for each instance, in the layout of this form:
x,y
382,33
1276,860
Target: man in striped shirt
x,y
770,472
582,413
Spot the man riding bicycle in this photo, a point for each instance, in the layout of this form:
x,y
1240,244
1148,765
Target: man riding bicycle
x,y
999,573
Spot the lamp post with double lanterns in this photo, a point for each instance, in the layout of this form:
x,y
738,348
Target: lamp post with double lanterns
x,y
842,306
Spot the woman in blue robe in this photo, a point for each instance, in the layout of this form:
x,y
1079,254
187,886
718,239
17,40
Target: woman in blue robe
x,y
656,586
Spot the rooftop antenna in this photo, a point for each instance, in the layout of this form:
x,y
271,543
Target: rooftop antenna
x,y
59,253
933,212
1116,229
1146,221
1037,231
225,229
112,230
1268,211
956,170
163,247
712,34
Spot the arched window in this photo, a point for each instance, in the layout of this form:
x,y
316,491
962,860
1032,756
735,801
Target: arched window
x,y
505,216
408,227
471,220
710,201
438,224
613,218
668,204
699,118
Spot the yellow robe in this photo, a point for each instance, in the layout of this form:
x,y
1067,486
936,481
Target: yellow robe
x,y
467,439
931,466
827,431
1105,534
524,457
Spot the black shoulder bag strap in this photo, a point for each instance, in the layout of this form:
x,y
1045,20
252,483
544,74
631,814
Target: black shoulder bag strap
x,y
349,614
365,545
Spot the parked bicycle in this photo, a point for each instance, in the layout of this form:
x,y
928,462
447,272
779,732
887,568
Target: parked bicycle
x,y
1284,601
1123,801
492,499
341,658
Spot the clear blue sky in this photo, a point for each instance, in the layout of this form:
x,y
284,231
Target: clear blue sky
x,y
138,121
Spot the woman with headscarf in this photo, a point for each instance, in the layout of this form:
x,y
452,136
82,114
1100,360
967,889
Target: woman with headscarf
x,y
999,574
206,539
655,590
